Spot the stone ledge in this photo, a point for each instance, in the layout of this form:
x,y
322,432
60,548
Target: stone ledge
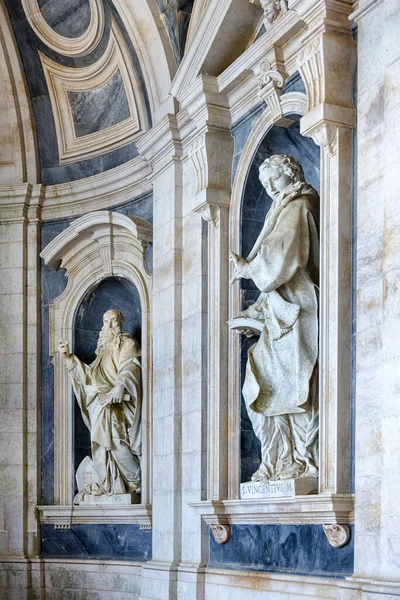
x,y
322,509
64,517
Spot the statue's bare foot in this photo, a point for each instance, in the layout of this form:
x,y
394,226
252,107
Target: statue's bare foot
x,y
261,475
292,471
311,471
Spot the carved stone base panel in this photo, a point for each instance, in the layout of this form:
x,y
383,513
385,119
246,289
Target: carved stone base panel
x,y
120,499
287,488
107,514
322,509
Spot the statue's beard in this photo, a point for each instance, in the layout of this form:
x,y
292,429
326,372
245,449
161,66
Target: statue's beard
x,y
109,339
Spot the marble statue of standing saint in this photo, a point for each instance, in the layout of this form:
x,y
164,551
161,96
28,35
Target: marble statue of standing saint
x,y
281,383
109,396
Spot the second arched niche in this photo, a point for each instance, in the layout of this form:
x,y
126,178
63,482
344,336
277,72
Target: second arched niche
x,y
110,293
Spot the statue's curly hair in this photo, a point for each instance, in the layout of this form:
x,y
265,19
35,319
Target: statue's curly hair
x,y
287,164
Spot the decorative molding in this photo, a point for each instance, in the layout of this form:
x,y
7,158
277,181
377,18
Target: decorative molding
x,y
63,517
338,535
325,135
270,86
363,8
268,75
221,533
67,46
18,154
95,246
309,63
209,212
198,157
61,80
98,192
265,47
323,509
161,144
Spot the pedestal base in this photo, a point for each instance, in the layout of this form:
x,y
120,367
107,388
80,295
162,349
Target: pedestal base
x,y
104,499
286,488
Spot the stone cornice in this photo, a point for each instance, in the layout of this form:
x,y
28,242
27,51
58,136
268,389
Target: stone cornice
x,y
63,517
362,9
20,203
98,192
318,509
162,144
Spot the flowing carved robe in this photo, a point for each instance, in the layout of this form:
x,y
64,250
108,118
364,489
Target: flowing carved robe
x,y
280,387
115,429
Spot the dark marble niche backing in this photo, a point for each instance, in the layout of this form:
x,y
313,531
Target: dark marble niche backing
x,y
119,542
290,549
256,204
100,108
113,292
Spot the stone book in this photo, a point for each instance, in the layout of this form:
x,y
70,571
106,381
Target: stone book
x,y
242,324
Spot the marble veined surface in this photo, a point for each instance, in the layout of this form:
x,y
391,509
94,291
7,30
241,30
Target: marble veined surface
x,y
101,108
70,19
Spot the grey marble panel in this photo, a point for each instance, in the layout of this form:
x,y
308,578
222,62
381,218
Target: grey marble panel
x,y
53,284
261,32
46,133
169,14
119,542
101,108
70,19
241,131
290,549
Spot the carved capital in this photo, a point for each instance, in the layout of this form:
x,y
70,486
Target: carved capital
x,y
209,212
221,533
338,535
324,134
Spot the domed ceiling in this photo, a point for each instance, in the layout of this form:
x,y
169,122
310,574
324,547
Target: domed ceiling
x,y
88,74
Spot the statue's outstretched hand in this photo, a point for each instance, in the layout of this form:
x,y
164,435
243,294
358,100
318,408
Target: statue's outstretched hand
x,y
240,265
63,348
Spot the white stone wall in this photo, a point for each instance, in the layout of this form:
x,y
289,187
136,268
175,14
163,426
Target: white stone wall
x,y
377,514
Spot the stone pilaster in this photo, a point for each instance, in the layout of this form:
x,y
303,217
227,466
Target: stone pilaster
x,y
327,63
162,149
19,378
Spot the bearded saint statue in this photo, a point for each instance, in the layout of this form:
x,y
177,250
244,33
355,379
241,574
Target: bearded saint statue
x,y
281,384
109,395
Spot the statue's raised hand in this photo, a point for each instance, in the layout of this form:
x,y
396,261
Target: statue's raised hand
x,y
240,266
63,348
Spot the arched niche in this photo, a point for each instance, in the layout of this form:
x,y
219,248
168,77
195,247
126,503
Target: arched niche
x,y
249,205
112,292
96,248
255,204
